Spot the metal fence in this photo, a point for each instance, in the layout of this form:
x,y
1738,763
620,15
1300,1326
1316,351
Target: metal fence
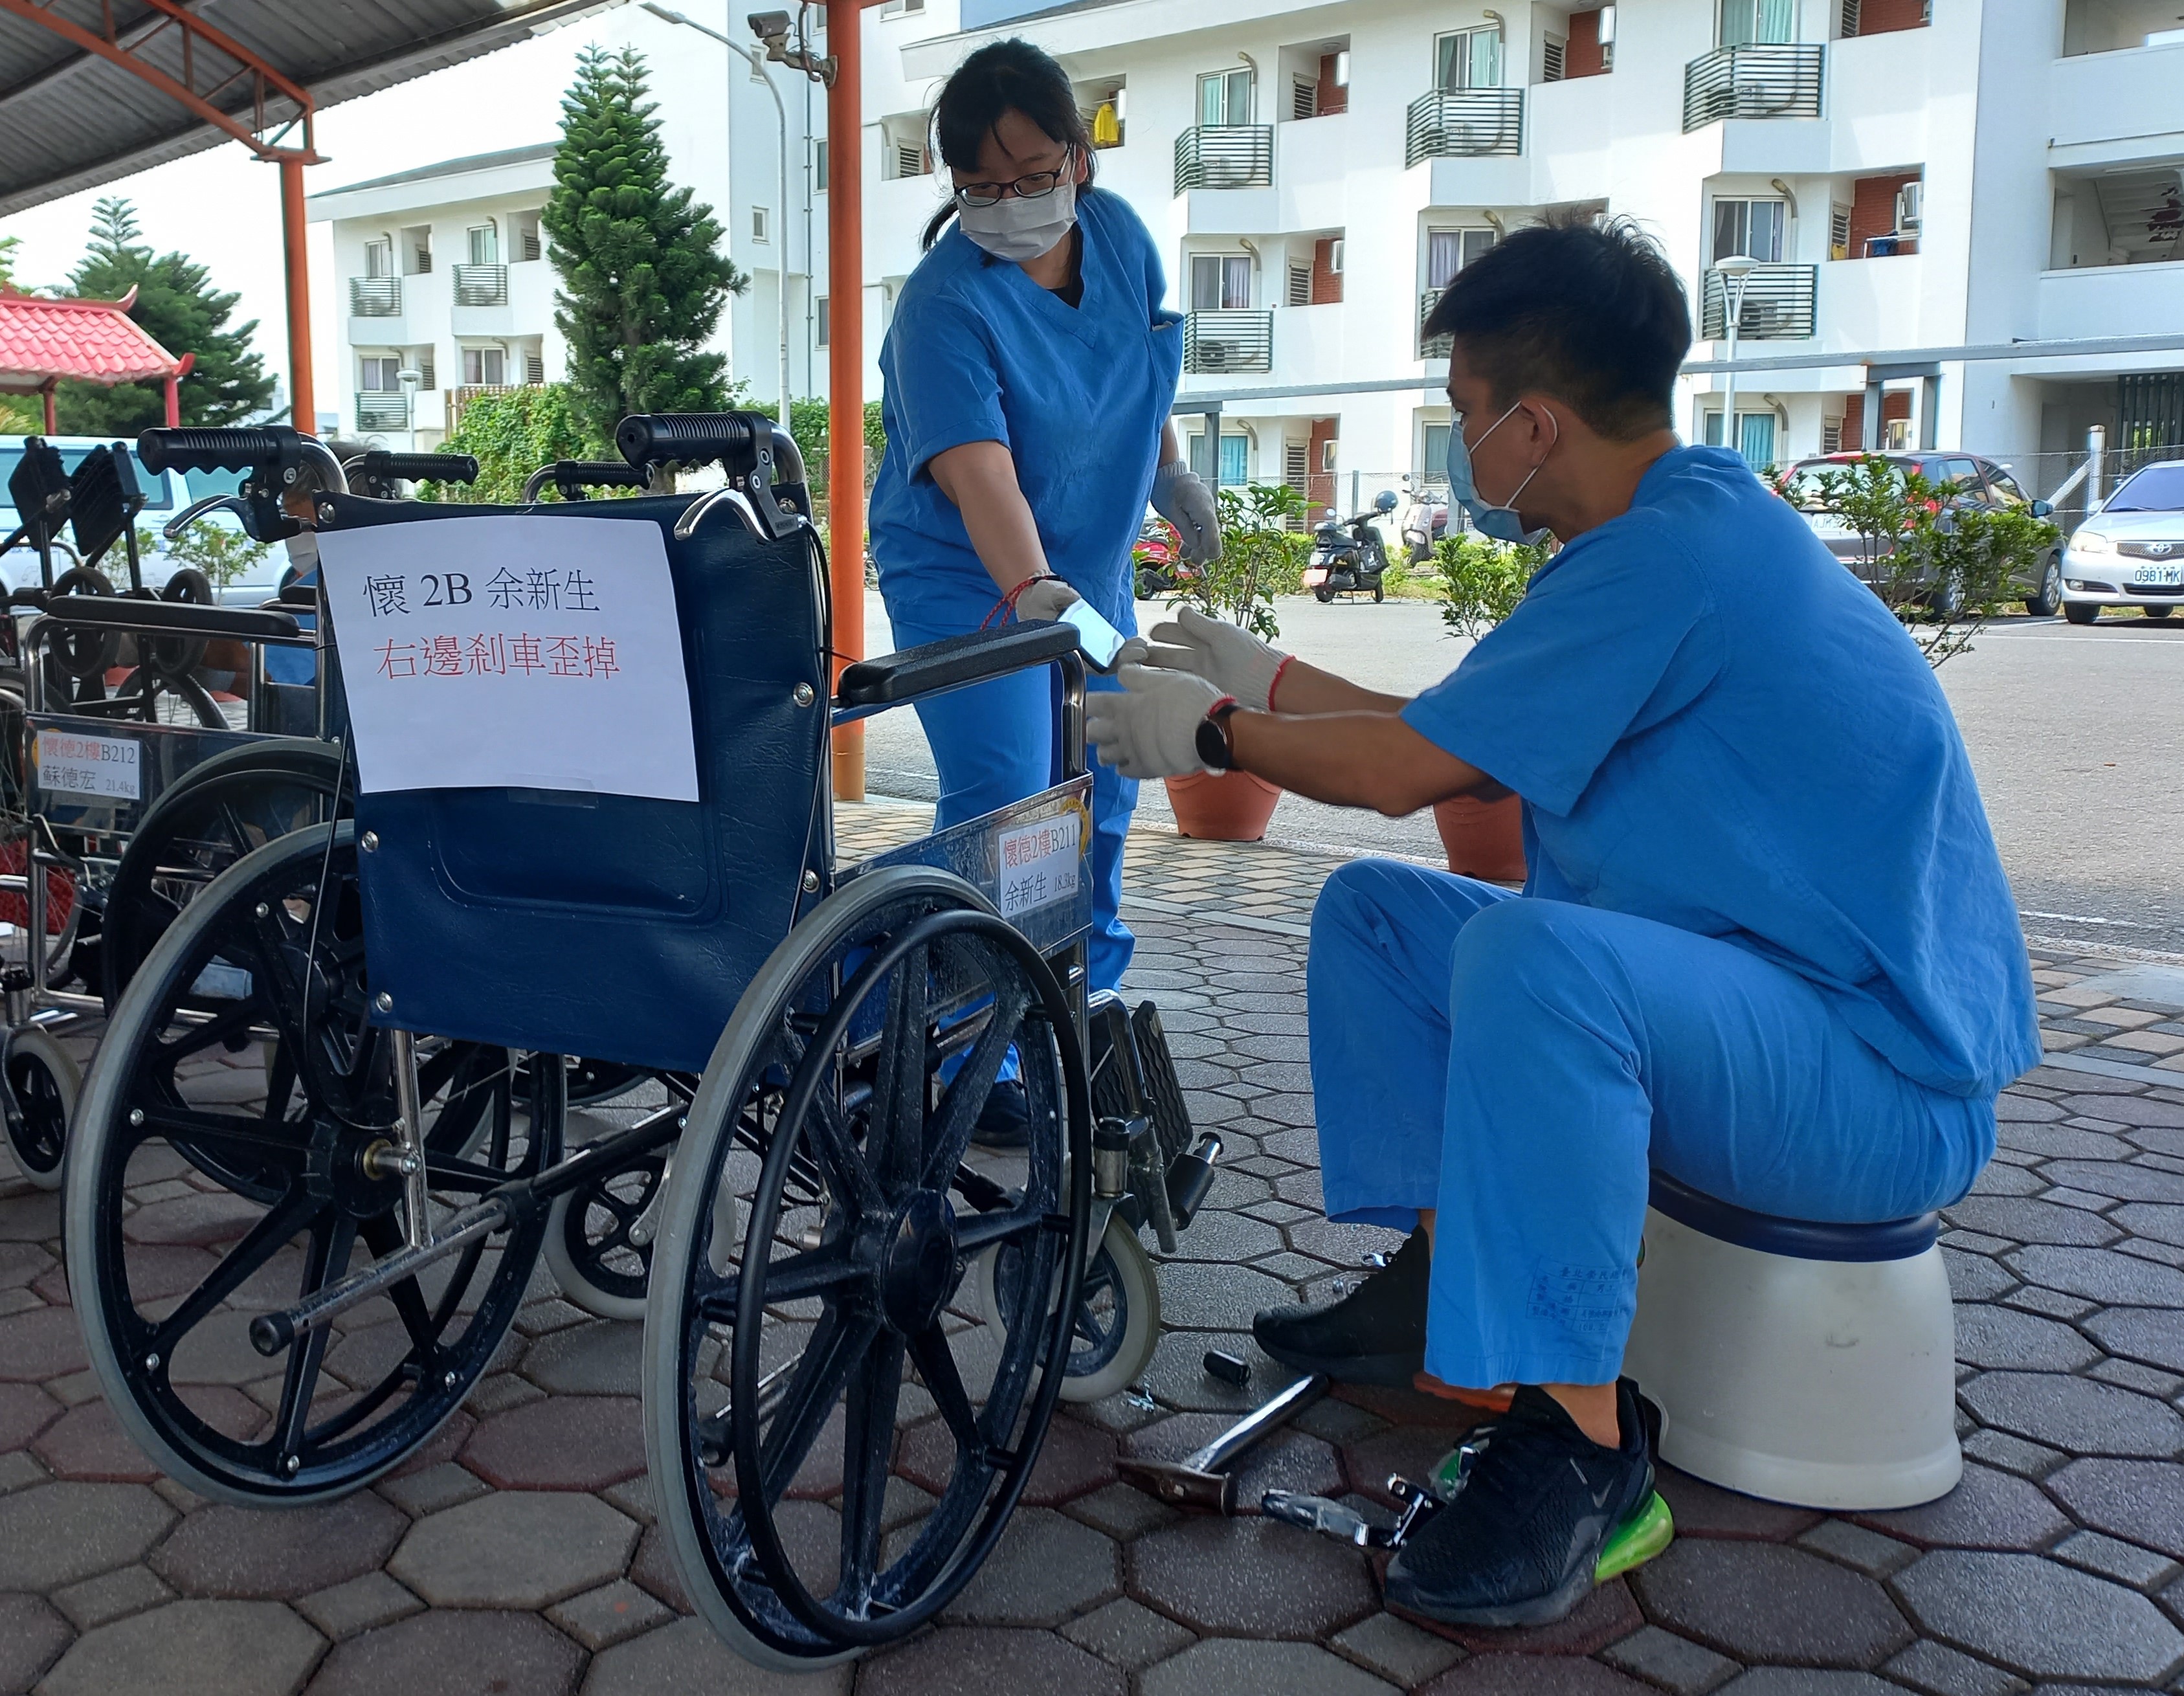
x,y
375,296
480,285
1465,123
1779,303
1229,340
1431,347
1763,79
1225,156
382,411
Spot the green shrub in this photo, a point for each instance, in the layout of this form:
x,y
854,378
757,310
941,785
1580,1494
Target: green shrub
x,y
223,554
1259,558
513,432
1482,580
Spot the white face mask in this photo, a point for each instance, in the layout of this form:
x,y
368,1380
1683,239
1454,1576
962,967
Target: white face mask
x,y
1021,230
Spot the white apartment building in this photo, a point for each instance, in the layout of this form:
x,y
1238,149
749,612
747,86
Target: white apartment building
x,y
1967,212
441,272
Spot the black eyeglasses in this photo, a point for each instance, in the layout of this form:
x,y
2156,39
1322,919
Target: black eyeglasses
x,y
1034,186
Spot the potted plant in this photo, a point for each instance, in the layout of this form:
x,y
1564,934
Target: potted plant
x,y
1260,555
1481,582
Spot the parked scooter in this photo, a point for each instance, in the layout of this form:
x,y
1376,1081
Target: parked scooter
x,y
1157,561
1425,524
1349,563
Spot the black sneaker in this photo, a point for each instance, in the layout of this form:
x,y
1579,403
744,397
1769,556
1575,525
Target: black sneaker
x,y
1533,1501
1005,1121
1374,1334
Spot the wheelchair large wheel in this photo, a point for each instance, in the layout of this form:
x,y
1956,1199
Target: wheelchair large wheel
x,y
206,821
229,1157
837,1110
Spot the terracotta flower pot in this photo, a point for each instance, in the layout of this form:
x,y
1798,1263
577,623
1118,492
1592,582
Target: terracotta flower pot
x,y
1485,839
1222,806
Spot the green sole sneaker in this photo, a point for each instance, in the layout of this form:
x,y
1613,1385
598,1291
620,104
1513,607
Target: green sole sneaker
x,y
1636,1540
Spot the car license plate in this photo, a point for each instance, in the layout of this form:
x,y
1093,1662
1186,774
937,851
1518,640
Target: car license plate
x,y
2159,574
1315,577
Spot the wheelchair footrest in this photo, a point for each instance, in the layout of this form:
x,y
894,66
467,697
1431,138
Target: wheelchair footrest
x,y
1163,1094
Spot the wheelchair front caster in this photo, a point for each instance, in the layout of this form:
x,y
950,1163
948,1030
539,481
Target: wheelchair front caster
x,y
1117,1324
599,1239
43,1081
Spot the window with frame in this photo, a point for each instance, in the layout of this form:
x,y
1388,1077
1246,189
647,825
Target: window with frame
x,y
379,259
524,239
1838,231
819,164
1220,282
379,374
1224,97
822,320
1753,227
1552,52
759,221
485,367
1433,452
1468,58
1749,23
1448,251
484,244
1299,284
1755,436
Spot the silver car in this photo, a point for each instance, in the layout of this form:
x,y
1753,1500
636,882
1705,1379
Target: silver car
x,y
2130,551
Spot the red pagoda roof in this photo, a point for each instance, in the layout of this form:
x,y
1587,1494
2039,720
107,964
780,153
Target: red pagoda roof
x,y
84,341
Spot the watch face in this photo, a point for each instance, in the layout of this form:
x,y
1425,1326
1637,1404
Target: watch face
x,y
1213,744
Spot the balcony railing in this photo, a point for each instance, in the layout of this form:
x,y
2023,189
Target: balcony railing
x,y
1229,340
1465,123
480,285
375,296
1431,347
1767,79
1225,156
1778,304
382,412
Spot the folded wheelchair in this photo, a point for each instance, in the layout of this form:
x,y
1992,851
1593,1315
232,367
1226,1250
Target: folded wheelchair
x,y
313,1162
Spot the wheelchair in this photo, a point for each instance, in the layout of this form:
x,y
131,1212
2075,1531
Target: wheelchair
x,y
317,1152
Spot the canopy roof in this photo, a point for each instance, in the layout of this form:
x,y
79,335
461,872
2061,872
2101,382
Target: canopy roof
x,y
73,116
85,341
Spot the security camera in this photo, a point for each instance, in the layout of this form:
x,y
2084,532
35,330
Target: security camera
x,y
773,28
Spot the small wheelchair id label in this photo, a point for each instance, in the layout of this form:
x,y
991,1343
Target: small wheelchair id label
x,y
103,767
1037,864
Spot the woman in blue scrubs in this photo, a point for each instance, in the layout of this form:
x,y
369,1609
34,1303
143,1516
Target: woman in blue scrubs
x,y
1029,372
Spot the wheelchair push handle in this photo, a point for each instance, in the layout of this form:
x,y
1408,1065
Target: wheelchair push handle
x,y
571,478
413,468
660,439
214,450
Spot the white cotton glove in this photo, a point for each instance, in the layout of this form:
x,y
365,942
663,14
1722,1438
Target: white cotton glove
x,y
1046,598
1149,727
1229,657
1185,502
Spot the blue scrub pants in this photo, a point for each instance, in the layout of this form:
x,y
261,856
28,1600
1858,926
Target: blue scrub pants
x,y
1517,1062
995,743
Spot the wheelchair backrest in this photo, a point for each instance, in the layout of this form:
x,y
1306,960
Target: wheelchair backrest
x,y
615,926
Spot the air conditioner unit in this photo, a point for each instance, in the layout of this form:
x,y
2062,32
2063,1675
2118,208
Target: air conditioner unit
x,y
1213,356
1334,256
1908,207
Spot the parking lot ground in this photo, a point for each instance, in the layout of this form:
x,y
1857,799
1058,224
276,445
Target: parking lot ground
x,y
2057,1563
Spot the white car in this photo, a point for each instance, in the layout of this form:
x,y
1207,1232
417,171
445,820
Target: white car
x,y
2130,552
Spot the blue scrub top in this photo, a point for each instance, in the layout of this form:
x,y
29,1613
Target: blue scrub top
x,y
1713,724
979,352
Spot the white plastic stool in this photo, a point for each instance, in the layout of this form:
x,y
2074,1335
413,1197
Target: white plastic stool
x,y
1808,1363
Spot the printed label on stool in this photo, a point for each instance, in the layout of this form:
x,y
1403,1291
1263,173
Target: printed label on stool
x,y
101,766
1036,864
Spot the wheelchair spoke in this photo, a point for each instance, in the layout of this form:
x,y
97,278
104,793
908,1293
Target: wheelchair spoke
x,y
221,1131
936,1365
896,1140
260,1244
950,1137
383,1237
809,1272
875,1390
197,1038
324,1261
838,1343
982,1230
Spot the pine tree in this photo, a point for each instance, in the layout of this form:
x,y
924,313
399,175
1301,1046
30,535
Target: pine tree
x,y
180,311
643,274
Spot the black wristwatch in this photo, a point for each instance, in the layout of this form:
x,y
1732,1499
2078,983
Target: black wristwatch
x,y
1214,750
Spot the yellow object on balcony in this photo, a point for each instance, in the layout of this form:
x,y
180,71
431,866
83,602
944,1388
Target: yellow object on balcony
x,y
1106,127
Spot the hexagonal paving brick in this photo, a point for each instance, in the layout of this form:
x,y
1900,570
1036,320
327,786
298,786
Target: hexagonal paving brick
x,y
1074,1459
31,1638
2076,1415
614,1613
2099,1276
2126,1183
597,1359
220,1550
1222,1235
35,1218
2026,1220
1411,1451
2141,1500
1994,1337
1127,1634
454,1651
686,1659
1287,1460
24,1411
1609,1612
53,1534
1987,1509
2041,1617
565,1442
1224,1666
219,1648
1045,1569
1806,1680
1704,1510
1195,1297
2143,1110
1533,1674
1769,1603
1674,1663
514,1549
1250,1577
87,1442
972,1660
1176,1376
43,1343
197,1221
2153,1335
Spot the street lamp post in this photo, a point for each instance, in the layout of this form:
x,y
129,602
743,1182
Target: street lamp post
x,y
780,235
1735,272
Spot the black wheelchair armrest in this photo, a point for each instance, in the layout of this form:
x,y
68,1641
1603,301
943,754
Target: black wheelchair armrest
x,y
935,668
128,612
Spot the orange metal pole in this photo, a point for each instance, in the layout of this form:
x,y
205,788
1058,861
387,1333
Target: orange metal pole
x,y
303,411
845,366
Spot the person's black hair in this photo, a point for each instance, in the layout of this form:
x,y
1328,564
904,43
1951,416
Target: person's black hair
x,y
1587,311
1003,76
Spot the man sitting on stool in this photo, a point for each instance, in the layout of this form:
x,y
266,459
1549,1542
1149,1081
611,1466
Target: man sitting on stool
x,y
1766,945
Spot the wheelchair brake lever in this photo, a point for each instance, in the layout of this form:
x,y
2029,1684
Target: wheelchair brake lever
x,y
196,509
699,510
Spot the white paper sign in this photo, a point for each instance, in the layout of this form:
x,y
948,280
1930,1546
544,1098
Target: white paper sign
x,y
97,768
1037,863
512,652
